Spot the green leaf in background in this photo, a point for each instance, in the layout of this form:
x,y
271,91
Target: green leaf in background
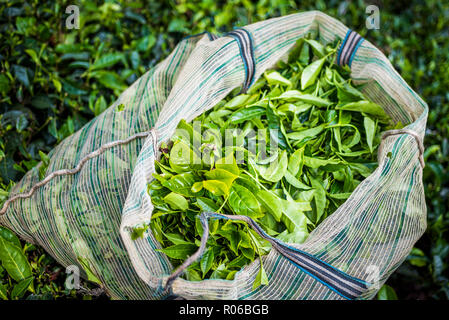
x,y
14,260
42,102
146,43
100,106
3,292
417,258
19,289
9,236
387,293
21,74
108,60
110,80
85,264
33,55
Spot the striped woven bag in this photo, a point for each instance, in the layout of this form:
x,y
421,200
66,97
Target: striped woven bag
x,y
95,189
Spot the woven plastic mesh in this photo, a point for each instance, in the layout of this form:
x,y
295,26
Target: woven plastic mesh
x,y
84,218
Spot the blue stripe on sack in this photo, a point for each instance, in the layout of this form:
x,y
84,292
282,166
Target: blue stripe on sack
x,y
245,63
342,45
349,48
330,268
325,265
321,281
330,272
253,58
246,47
355,50
341,288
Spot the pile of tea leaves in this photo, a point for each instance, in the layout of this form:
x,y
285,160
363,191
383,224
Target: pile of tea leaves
x,y
287,154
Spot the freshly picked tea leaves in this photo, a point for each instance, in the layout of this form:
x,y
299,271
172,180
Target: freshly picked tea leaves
x,y
287,154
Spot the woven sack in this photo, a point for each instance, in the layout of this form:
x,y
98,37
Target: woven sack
x,y
95,189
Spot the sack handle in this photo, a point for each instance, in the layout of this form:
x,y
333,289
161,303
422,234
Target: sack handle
x,y
65,172
343,284
246,47
348,48
415,135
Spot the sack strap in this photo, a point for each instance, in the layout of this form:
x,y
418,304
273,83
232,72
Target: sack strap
x,y
343,284
79,166
245,42
415,135
348,48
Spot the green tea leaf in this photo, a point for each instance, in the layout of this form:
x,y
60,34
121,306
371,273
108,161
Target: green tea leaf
x,y
8,235
261,279
19,289
242,115
295,95
229,164
3,292
370,129
138,232
207,204
307,133
387,293
176,201
347,93
216,187
14,261
237,101
206,261
181,183
243,202
276,170
319,197
368,107
275,77
311,72
179,251
271,203
85,264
